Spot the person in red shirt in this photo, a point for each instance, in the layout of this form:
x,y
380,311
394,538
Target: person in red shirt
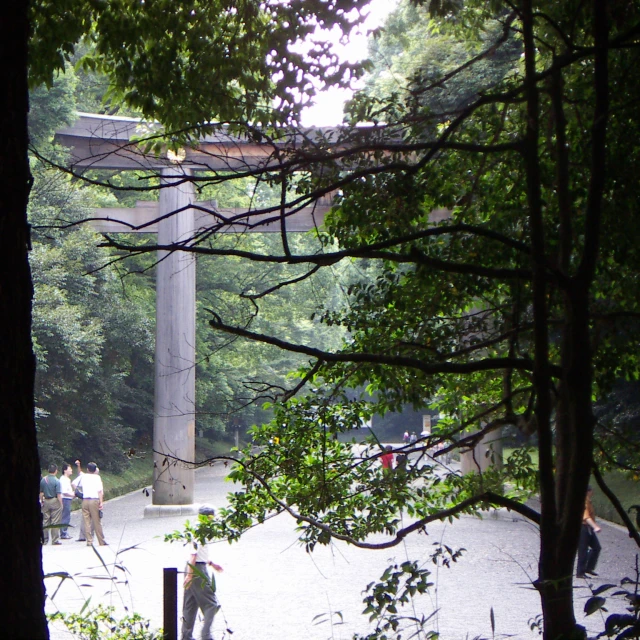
x,y
387,459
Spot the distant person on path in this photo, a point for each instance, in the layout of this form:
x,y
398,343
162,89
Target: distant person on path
x,y
67,498
413,438
589,545
92,503
77,484
405,437
51,504
387,459
199,588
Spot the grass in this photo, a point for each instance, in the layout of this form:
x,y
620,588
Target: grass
x,y
626,489
206,448
139,472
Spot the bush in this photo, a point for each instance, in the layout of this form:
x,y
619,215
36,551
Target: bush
x,y
100,624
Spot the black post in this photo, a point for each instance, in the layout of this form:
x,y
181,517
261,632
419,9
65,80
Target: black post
x,y
170,602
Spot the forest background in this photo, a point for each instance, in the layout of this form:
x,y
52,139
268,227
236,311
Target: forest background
x,y
94,311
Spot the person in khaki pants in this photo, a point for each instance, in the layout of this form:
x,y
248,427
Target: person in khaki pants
x,y
199,588
51,503
92,503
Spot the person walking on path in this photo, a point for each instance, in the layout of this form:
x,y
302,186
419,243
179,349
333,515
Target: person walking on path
x,y
92,503
199,588
67,499
588,545
51,504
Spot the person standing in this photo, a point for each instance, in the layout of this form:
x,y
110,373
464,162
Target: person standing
x,y
51,504
67,499
588,545
387,459
92,503
76,485
199,588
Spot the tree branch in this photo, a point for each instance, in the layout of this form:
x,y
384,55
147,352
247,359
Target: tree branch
x,y
613,499
374,358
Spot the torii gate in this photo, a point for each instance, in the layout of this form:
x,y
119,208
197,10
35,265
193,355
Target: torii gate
x,y
108,142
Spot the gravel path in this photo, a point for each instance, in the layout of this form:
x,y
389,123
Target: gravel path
x,y
271,589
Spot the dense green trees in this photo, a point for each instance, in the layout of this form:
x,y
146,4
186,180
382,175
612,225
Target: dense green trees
x,y
234,378
94,313
92,326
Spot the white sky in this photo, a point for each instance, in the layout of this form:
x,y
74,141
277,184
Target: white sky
x,y
327,109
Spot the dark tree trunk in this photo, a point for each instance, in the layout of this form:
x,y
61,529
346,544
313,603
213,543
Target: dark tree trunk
x,y
565,475
574,443
22,601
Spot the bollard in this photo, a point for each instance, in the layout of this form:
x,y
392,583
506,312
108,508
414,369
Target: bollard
x,y
170,603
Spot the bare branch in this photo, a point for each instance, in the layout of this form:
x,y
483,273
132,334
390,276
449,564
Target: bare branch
x,y
613,499
487,364
280,285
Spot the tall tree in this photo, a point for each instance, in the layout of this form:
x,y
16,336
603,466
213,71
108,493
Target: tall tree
x,y
22,607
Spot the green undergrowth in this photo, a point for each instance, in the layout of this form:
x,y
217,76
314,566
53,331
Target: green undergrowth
x,y
626,489
206,448
138,474
139,471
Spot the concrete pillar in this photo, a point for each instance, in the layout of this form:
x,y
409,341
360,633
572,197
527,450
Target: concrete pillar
x,y
487,453
175,392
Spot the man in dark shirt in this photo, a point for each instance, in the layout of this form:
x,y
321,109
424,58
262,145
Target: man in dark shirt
x,y
51,503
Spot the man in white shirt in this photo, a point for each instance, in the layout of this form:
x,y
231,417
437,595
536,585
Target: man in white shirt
x,y
92,502
199,588
67,499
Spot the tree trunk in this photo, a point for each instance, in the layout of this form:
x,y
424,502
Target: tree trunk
x,y
557,611
22,602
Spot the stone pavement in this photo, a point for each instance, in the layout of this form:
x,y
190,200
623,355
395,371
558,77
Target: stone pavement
x,y
271,589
